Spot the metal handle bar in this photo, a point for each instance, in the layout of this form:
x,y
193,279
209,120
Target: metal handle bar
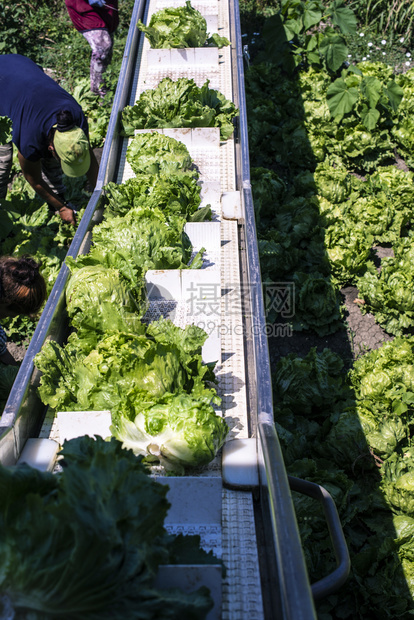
x,y
329,584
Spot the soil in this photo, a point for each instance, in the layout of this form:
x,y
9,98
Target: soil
x,y
98,153
17,351
360,334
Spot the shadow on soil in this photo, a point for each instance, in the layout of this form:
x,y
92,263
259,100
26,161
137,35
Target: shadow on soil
x,y
315,411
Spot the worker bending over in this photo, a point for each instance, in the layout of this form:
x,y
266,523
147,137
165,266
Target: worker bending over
x,y
49,130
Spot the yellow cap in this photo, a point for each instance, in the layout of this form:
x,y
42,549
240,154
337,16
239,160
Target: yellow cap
x,y
73,149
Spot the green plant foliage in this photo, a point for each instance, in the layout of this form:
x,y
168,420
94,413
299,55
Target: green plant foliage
x,y
393,23
178,432
335,141
143,239
20,329
37,232
389,294
351,433
180,27
180,103
20,25
310,384
97,111
28,227
304,33
365,97
174,195
317,304
97,548
275,116
43,31
99,299
152,379
7,376
154,153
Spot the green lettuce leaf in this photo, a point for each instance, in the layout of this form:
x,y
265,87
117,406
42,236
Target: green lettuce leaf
x,y
388,294
309,385
6,131
182,26
154,153
174,195
98,299
97,548
397,483
130,369
178,432
317,304
180,103
144,239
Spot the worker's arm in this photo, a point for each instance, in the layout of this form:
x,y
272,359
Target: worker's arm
x,y
32,171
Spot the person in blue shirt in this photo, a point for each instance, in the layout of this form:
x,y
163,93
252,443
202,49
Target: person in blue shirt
x,y
49,130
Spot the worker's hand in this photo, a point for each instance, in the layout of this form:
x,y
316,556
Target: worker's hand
x,y
68,214
96,2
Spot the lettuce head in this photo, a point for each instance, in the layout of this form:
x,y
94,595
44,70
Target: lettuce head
x,y
181,26
180,103
154,153
178,432
97,548
99,299
173,195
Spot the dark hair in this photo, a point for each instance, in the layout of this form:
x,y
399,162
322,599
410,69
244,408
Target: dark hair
x,y
22,286
65,120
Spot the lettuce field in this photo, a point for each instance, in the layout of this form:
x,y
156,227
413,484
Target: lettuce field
x,y
331,156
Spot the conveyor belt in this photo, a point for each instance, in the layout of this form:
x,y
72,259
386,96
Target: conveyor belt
x,y
200,68
214,304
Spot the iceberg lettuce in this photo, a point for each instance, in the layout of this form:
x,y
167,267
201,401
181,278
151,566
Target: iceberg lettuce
x,y
178,432
181,26
180,103
154,153
99,299
173,195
